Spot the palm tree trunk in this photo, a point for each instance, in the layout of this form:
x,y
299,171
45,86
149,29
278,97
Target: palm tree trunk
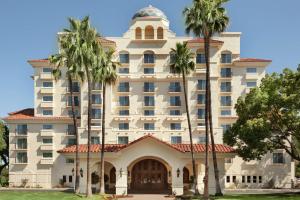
x,y
101,171
195,175
215,162
77,175
207,55
88,178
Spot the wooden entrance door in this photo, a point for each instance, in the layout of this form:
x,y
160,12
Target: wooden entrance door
x,y
149,176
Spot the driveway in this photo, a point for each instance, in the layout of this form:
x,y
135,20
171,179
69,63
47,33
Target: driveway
x,y
147,197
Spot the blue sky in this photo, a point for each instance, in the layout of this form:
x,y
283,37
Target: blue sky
x,y
28,31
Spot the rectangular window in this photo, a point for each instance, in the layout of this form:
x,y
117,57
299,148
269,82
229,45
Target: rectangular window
x,y
21,129
251,84
71,129
47,70
175,112
201,139
47,141
254,179
75,101
227,179
70,161
225,127
225,112
47,112
124,100
149,87
278,158
149,126
226,72
201,99
149,112
226,58
225,87
123,112
122,140
123,126
251,70
228,160
124,87
259,179
48,84
201,113
175,126
96,99
234,179
149,101
200,59
248,179
22,143
64,179
123,70
21,157
47,155
149,58
47,126
71,141
97,86
75,87
175,87
176,139
47,98
96,113
76,112
95,140
225,100
70,179
201,85
175,101
124,58
148,70
243,179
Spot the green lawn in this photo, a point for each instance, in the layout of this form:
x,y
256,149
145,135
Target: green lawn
x,y
20,195
262,197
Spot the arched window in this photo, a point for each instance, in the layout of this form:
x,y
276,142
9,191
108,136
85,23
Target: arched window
x,y
226,57
160,33
149,57
124,57
186,175
138,33
149,33
200,57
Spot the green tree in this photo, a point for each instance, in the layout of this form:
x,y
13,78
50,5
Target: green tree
x,y
268,118
206,18
182,63
4,146
105,73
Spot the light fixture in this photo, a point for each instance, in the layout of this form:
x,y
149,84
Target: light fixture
x,y
81,172
121,172
73,171
178,172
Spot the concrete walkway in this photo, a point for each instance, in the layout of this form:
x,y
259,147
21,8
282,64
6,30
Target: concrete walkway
x,y
147,197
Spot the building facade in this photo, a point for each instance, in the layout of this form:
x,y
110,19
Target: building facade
x,y
147,142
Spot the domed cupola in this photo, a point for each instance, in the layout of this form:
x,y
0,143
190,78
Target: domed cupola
x,y
149,11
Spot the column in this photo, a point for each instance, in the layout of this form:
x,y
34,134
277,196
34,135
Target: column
x,y
121,180
177,180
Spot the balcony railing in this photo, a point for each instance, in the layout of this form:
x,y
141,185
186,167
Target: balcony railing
x,y
21,132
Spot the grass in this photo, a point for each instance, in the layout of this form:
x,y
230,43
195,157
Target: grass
x,y
291,196
20,195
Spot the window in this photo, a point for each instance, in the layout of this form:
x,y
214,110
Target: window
x,y
201,113
71,141
96,99
149,126
21,129
201,99
225,100
175,87
201,139
175,101
172,59
149,112
123,112
226,72
47,70
64,179
200,59
234,179
47,141
70,179
251,84
149,32
259,179
95,140
254,179
225,112
123,70
176,139
76,112
248,179
138,33
225,86
122,140
225,127
160,33
148,70
47,84
76,87
201,124
228,160
47,98
97,86
96,124
47,155
124,58
124,100
22,143
175,112
71,129
278,158
243,179
96,113
149,58
201,85
75,100
251,70
149,87
47,126
21,157
70,161
149,101
123,126
175,126
227,179
124,87
226,58
47,112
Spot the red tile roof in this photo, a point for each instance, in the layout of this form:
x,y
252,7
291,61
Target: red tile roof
x,y
183,148
103,40
201,40
28,114
252,60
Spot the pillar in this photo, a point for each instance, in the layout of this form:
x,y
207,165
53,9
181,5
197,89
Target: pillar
x,y
121,180
177,180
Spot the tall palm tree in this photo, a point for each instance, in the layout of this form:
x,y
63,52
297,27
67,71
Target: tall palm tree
x,y
183,64
105,73
83,38
206,18
65,59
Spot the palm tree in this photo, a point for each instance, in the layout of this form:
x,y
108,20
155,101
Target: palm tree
x,y
105,73
207,18
65,59
183,64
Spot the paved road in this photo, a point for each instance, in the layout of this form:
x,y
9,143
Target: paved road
x,y
147,197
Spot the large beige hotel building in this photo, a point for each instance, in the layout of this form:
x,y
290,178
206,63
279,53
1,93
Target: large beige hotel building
x,y
147,146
